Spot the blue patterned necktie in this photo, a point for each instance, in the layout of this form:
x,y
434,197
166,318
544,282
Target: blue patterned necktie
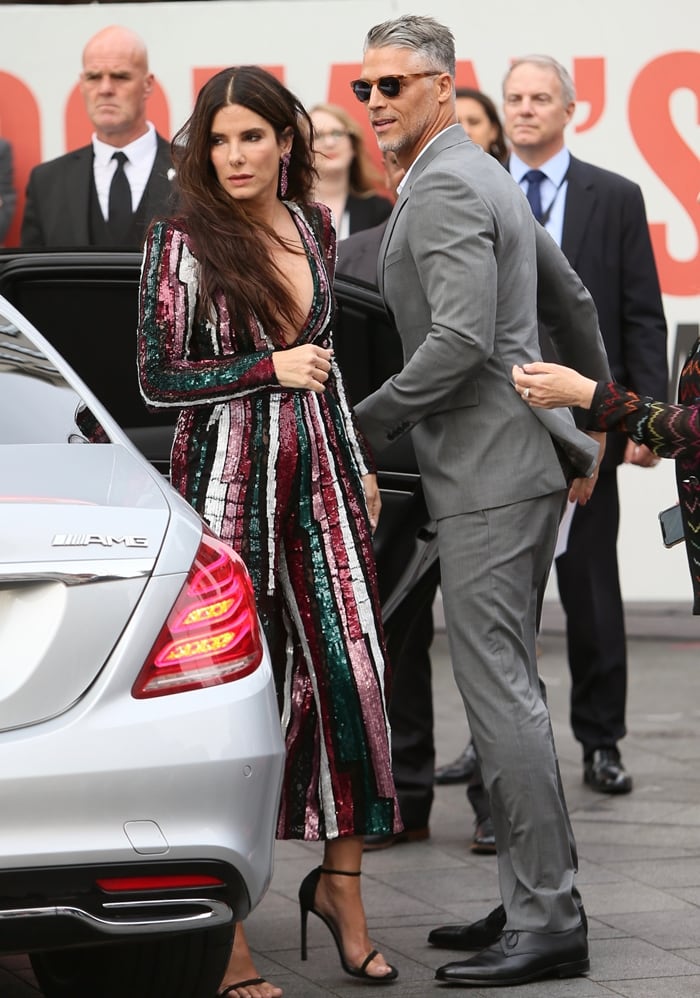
x,y
534,180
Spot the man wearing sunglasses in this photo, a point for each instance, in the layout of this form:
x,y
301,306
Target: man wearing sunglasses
x,y
457,269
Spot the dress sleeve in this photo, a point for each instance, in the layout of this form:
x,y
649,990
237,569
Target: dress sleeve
x,y
667,429
172,372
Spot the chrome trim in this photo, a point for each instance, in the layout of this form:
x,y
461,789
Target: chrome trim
x,y
211,914
68,572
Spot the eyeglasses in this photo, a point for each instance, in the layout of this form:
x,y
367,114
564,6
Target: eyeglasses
x,y
335,135
389,86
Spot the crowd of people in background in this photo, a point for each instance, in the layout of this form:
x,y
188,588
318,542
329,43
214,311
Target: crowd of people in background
x,y
248,208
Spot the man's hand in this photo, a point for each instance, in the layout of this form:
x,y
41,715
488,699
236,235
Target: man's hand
x,y
306,366
373,499
581,489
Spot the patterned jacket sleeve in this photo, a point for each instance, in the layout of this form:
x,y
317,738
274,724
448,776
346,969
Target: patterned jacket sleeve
x,y
668,430
169,374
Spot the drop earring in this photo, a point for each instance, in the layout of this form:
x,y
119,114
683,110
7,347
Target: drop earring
x,y
284,179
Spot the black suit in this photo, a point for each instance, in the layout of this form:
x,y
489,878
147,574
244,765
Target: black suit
x,y
8,195
365,213
606,240
57,210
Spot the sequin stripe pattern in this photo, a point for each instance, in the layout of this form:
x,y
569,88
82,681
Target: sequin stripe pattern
x,y
340,683
181,360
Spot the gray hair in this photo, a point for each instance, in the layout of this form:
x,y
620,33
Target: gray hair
x,y
421,34
568,90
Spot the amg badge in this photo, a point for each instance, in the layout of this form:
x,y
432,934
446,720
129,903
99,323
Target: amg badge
x,y
104,540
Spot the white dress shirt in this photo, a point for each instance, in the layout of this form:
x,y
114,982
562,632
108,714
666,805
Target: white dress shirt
x,y
141,154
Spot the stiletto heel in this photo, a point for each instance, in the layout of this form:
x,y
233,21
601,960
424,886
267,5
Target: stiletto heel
x,y
307,896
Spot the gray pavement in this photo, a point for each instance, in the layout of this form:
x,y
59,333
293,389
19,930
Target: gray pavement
x,y
639,855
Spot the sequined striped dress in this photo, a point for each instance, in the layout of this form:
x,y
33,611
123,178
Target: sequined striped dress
x,y
277,472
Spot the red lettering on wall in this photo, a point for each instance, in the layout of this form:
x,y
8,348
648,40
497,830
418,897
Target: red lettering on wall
x,y
19,124
589,79
673,161
466,77
79,128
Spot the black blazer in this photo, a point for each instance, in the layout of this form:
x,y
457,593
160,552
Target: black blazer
x,y
8,195
367,212
606,240
57,209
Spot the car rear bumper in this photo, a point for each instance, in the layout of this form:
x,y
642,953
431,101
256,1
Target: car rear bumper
x,y
51,908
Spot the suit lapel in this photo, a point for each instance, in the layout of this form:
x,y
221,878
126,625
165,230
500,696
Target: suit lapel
x,y
580,202
157,192
78,180
451,136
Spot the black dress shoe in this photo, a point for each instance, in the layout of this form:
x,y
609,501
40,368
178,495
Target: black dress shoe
x,y
520,957
478,935
484,841
459,770
604,772
374,842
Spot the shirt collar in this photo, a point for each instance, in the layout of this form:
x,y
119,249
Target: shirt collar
x,y
134,151
554,169
425,148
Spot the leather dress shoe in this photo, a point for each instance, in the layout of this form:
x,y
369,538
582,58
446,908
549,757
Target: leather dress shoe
x,y
605,773
484,841
373,842
478,935
519,957
459,770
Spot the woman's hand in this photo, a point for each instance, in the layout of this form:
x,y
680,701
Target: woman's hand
x,y
548,386
373,499
305,366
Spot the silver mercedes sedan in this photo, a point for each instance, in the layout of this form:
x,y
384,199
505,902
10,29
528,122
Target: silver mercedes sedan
x,y
140,745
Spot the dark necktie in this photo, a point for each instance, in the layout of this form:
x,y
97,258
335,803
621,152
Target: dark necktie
x,y
534,180
120,211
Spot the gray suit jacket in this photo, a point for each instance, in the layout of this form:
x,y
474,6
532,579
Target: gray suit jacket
x,y
458,272
57,209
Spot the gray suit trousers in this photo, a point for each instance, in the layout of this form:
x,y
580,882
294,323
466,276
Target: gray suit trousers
x,y
494,566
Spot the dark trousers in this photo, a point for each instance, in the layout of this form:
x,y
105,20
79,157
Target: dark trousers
x,y
409,637
589,587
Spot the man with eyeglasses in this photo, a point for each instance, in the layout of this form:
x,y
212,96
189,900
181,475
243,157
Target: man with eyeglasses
x,y
457,270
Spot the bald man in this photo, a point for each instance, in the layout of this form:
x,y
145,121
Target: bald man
x,y
106,193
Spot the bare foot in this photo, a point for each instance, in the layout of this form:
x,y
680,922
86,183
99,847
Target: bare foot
x,y
340,900
241,969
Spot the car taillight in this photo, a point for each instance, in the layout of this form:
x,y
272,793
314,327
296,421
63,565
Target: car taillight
x,y
212,634
164,882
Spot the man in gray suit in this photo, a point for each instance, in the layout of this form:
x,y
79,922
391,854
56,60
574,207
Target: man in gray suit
x,y
457,270
74,200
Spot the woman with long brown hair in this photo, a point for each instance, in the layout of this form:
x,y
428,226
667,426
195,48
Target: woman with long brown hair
x,y
235,330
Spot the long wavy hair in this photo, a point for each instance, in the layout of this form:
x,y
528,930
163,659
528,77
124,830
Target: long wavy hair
x,y
226,237
365,177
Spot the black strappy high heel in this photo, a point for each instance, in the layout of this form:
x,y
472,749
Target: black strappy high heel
x,y
307,895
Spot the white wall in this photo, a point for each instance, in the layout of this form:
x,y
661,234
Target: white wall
x,y
631,49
